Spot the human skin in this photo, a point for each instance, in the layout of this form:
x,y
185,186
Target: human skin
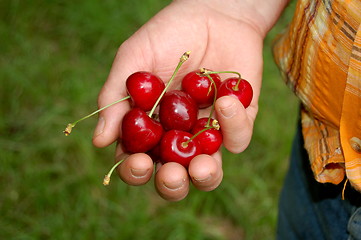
x,y
220,37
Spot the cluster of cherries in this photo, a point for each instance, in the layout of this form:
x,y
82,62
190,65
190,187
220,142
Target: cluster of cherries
x,y
175,133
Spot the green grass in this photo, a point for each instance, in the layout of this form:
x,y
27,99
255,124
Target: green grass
x,y
54,57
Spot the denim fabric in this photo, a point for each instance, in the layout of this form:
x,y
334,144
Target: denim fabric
x,y
312,210
354,225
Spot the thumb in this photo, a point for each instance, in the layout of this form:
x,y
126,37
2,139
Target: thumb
x,y
235,124
125,63
109,121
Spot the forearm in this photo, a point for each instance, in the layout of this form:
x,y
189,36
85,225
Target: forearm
x,y
260,14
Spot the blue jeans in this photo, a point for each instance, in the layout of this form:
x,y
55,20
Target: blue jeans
x,y
312,210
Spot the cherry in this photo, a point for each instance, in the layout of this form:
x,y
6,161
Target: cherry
x,y
211,139
237,87
144,88
200,87
140,133
177,146
178,110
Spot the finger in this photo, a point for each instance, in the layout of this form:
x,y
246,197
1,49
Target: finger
x,y
109,120
206,172
125,63
235,125
137,169
172,181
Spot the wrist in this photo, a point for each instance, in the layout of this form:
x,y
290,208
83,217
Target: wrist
x,y
259,14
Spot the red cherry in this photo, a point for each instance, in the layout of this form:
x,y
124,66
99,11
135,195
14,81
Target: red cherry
x,y
175,147
144,88
199,87
140,133
178,110
209,140
239,88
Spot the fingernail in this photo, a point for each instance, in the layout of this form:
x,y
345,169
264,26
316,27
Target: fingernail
x,y
174,185
139,173
229,110
205,179
100,127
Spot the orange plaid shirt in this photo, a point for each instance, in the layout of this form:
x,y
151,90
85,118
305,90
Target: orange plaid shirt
x,y
319,56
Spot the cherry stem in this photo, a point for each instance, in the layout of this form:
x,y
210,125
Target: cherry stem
x,y
106,179
185,144
70,126
235,87
182,59
214,98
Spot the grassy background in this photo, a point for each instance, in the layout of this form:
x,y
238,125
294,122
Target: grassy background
x,y
54,57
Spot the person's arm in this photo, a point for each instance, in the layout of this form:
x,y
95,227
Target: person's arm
x,y
222,35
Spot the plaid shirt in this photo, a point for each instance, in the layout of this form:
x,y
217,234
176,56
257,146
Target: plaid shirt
x,y
319,56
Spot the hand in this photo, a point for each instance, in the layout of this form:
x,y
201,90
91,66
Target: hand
x,y
218,42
